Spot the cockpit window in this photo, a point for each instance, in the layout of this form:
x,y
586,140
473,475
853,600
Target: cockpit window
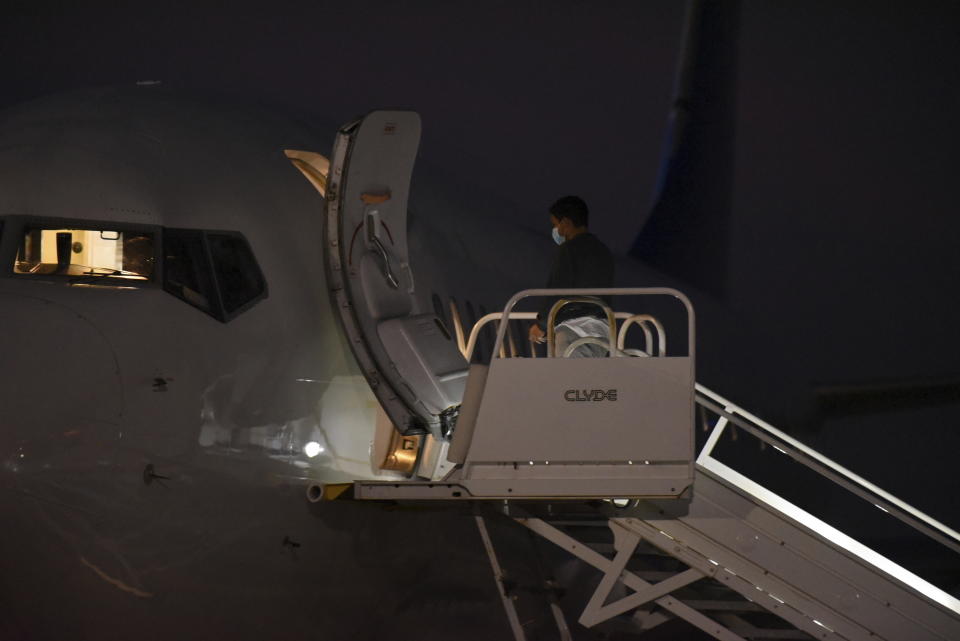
x,y
212,270
186,271
88,256
238,276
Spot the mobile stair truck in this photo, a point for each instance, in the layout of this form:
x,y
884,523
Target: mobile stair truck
x,y
618,431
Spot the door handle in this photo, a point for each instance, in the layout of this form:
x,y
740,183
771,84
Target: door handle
x,y
380,250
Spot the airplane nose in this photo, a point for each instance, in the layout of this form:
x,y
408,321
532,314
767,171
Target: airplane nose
x,y
61,404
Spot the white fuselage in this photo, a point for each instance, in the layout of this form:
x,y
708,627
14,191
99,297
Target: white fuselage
x,y
122,376
152,453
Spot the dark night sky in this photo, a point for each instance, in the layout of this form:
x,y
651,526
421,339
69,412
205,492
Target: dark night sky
x,y
843,209
842,108
526,98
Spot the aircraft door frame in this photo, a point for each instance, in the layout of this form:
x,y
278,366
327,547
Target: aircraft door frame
x,y
365,237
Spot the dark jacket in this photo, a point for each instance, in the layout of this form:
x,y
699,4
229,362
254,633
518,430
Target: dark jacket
x,y
584,261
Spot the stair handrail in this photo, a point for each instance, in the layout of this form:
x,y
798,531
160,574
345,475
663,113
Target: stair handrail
x,y
807,456
641,320
606,291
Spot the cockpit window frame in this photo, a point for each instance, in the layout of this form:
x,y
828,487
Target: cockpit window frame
x,y
214,293
15,225
264,291
12,227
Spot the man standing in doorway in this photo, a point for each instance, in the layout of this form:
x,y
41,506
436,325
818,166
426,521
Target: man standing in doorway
x,y
581,261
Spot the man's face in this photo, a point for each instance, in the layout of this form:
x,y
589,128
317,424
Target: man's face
x,y
559,224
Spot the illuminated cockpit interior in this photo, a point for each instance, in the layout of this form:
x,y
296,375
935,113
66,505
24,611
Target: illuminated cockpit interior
x,y
214,271
87,254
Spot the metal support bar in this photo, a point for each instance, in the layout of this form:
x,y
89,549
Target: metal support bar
x,y
559,619
655,591
753,632
507,601
625,543
597,560
481,323
649,619
549,582
730,606
749,579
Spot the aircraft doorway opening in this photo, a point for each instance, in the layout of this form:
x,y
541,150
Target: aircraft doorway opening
x,y
407,356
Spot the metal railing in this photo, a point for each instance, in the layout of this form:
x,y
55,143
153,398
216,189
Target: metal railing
x,y
563,302
482,322
641,321
728,413
650,326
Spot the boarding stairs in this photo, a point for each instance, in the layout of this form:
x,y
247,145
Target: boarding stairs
x,y
741,552
768,554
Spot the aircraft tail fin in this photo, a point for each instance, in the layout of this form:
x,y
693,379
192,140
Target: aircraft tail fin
x,y
686,231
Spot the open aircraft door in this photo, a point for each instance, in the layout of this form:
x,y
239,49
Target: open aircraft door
x,y
407,356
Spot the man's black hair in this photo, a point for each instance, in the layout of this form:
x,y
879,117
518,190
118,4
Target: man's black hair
x,y
571,207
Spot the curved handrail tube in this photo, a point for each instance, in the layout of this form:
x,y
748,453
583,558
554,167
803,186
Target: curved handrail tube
x,y
641,319
470,345
458,328
483,320
560,304
590,340
607,291
647,337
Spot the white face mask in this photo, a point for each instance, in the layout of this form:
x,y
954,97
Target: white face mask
x,y
557,238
